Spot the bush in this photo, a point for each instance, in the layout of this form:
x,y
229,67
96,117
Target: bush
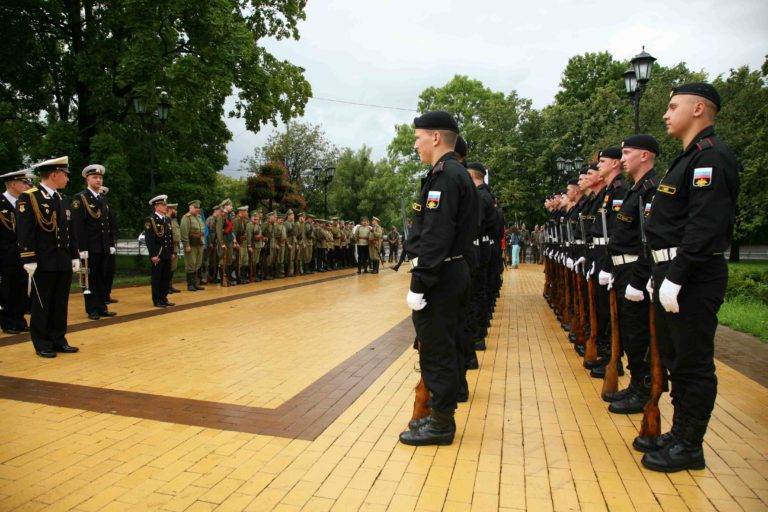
x,y
747,282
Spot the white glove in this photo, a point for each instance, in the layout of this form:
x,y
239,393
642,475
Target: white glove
x,y
112,250
591,270
610,282
30,268
649,288
579,262
668,296
603,278
83,255
75,265
569,263
633,294
415,301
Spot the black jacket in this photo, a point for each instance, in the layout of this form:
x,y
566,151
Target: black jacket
x,y
91,221
158,236
44,231
9,249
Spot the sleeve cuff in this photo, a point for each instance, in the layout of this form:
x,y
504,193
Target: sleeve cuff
x,y
416,285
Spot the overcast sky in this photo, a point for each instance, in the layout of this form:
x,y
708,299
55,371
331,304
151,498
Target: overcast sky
x,y
387,52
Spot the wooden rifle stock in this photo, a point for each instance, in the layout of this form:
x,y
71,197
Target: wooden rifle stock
x,y
225,266
578,308
651,425
590,351
420,402
568,299
611,379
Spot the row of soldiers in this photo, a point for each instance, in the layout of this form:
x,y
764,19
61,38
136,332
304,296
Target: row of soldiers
x,y
635,265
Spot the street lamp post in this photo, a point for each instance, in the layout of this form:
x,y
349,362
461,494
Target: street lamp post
x,y
327,178
635,80
157,120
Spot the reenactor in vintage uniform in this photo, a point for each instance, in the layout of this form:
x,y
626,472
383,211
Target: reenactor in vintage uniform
x,y
281,238
49,255
438,291
309,245
241,222
333,250
269,232
255,242
159,239
689,228
14,301
393,238
290,242
94,238
362,233
225,237
212,245
375,242
344,245
176,236
300,242
320,247
112,258
192,228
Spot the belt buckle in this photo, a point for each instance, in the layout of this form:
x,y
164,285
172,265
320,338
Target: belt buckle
x,y
414,262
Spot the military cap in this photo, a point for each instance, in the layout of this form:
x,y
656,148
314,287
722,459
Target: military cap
x,y
194,202
162,198
436,120
172,205
573,181
642,141
477,166
271,213
54,164
93,169
243,208
334,218
612,152
22,175
225,202
255,213
592,167
363,218
216,207
376,219
461,147
302,214
104,190
310,216
702,89
289,212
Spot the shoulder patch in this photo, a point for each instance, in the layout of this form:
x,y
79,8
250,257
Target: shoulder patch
x,y
417,207
702,177
433,199
21,205
616,204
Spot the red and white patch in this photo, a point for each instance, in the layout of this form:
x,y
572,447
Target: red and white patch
x,y
702,177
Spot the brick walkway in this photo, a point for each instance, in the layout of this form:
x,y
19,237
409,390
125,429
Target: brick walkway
x,y
88,432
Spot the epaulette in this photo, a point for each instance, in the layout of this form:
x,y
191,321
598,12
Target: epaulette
x,y
30,190
650,183
705,144
439,167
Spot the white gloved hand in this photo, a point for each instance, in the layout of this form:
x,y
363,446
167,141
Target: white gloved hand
x,y
83,255
603,278
30,268
610,282
112,250
668,296
579,262
569,263
633,294
649,288
75,265
415,301
591,270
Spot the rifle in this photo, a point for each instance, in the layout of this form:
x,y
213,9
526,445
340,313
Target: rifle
x,y
577,306
225,266
566,280
611,379
651,425
590,349
420,407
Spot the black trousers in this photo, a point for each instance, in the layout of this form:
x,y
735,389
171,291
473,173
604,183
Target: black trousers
x,y
161,280
437,327
362,257
392,253
687,338
13,297
50,299
633,325
110,275
95,302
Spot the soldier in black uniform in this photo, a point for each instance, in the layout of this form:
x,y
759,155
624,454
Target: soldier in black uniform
x,y
630,270
49,255
95,239
13,279
689,228
437,243
112,258
159,239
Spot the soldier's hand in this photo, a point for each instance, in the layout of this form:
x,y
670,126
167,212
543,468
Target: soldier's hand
x,y
415,301
649,288
223,246
30,268
603,278
76,265
155,260
187,249
83,255
633,294
113,250
668,296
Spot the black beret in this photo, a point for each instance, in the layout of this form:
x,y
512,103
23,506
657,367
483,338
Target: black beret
x,y
612,152
702,89
642,141
593,167
437,120
573,181
461,146
476,166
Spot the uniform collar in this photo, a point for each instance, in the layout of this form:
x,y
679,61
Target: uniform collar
x,y
48,190
10,198
159,216
703,134
438,167
94,194
650,174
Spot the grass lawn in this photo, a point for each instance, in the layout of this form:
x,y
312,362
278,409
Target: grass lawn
x,y
133,271
746,312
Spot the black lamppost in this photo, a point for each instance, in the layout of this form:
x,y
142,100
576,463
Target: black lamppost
x,y
635,80
154,122
566,167
325,175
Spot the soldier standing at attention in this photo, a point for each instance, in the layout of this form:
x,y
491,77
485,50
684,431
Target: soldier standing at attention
x,y
375,241
112,258
49,255
255,245
362,232
176,236
94,238
159,239
309,244
192,238
268,230
13,279
443,231
394,244
212,245
688,230
281,237
241,246
300,240
225,238
290,242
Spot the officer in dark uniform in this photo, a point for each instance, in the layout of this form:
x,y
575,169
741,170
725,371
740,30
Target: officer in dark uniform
x,y
95,239
112,258
49,255
631,270
437,243
13,279
159,239
689,228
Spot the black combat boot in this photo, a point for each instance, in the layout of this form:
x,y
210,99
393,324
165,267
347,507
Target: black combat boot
x,y
197,281
171,288
685,452
633,401
598,372
191,282
653,443
439,429
480,344
600,361
580,349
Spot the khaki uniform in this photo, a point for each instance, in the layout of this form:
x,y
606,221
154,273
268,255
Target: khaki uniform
x,y
281,240
290,246
191,230
176,234
241,227
300,243
374,242
225,236
268,231
211,249
255,245
309,244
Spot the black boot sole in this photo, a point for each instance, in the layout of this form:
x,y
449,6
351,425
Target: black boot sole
x,y
676,469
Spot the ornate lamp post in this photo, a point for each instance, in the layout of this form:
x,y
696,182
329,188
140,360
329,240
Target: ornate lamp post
x,y
154,122
635,80
325,175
